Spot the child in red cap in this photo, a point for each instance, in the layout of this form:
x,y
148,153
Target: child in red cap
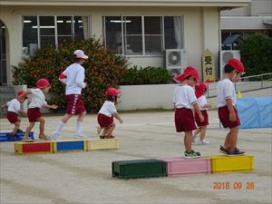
x,y
107,113
184,100
226,100
14,111
200,90
37,101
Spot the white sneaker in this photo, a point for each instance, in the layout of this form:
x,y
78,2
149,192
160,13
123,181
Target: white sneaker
x,y
55,135
80,135
203,142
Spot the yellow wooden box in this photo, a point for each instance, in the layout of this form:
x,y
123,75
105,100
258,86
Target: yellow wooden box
x,y
33,147
224,163
102,144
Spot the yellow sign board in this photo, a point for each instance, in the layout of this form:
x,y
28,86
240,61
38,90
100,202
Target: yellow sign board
x,y
208,70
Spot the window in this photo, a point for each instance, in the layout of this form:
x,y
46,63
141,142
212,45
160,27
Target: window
x,y
143,35
42,31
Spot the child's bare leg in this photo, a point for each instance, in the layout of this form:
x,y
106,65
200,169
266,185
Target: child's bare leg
x,y
42,123
188,141
29,128
233,137
110,130
16,127
227,141
197,131
203,132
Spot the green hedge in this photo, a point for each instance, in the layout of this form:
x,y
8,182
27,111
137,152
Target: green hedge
x,y
147,75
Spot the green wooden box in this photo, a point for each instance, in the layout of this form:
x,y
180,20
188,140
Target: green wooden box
x,y
138,168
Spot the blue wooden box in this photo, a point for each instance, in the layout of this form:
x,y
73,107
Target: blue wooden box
x,y
4,136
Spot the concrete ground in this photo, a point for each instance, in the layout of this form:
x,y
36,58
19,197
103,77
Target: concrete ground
x,y
85,177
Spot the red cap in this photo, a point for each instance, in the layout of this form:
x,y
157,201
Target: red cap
x,y
112,92
200,89
20,92
189,71
237,65
42,83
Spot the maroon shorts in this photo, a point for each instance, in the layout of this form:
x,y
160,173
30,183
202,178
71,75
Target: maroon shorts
x,y
75,104
104,121
223,114
206,119
12,117
34,114
184,120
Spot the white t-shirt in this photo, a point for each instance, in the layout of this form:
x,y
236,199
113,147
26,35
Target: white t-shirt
x,y
14,106
37,98
184,96
202,102
75,75
225,90
108,108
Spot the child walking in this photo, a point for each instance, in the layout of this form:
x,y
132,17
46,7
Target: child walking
x,y
200,90
107,113
184,100
226,100
73,77
37,101
13,113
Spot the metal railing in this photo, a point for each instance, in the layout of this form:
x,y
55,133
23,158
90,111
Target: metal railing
x,y
246,84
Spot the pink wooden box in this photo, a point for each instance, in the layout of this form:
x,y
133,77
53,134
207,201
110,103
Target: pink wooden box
x,y
180,166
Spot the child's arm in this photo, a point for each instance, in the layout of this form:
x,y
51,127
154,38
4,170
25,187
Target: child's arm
x,y
50,106
232,115
4,105
197,110
116,115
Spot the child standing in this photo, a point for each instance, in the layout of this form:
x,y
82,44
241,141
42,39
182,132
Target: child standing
x,y
226,100
107,113
184,100
73,77
37,101
200,90
13,112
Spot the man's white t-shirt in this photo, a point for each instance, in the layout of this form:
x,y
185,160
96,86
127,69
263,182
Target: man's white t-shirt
x,y
184,96
14,106
225,90
75,75
108,108
37,98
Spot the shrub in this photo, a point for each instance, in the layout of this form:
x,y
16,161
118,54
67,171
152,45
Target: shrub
x,y
102,70
256,52
148,75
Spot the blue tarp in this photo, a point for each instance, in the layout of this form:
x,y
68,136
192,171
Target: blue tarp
x,y
255,112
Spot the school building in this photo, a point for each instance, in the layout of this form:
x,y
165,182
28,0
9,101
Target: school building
x,y
162,33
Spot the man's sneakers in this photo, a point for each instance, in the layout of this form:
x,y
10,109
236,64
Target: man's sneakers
x,y
192,154
55,135
80,135
228,151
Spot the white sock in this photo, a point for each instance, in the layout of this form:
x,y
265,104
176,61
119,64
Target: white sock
x,y
78,126
60,126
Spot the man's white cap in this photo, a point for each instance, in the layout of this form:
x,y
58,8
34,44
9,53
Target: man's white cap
x,y
80,54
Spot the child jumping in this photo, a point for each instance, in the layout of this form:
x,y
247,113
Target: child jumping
x,y
13,113
184,100
107,113
226,100
37,101
200,90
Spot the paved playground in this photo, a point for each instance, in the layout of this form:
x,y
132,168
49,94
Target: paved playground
x,y
85,177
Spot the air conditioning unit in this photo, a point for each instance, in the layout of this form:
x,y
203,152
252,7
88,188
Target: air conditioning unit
x,y
175,60
225,56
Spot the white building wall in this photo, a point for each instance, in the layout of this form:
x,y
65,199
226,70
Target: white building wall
x,y
201,27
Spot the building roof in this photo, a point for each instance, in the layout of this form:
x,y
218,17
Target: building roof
x,y
228,4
